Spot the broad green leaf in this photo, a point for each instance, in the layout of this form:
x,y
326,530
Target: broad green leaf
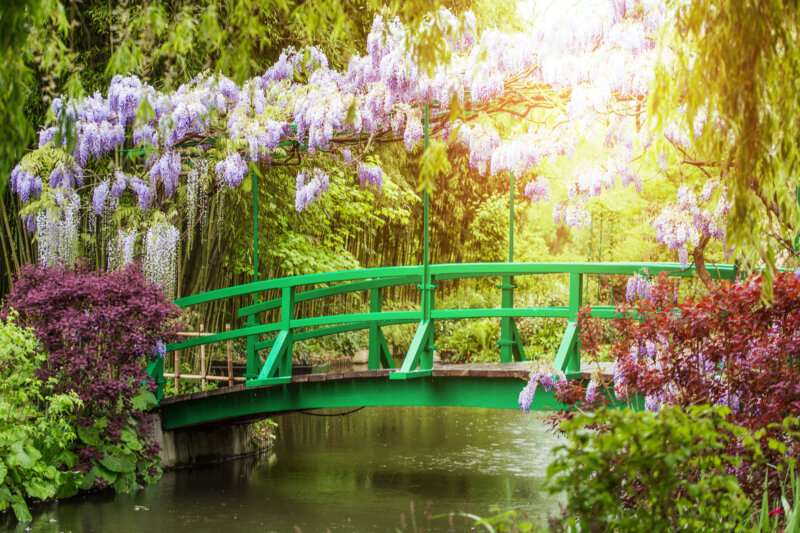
x,y
5,497
20,508
70,482
41,489
23,455
90,435
106,474
88,479
144,401
126,482
118,463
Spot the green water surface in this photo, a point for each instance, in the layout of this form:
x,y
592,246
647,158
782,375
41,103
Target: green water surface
x,y
378,469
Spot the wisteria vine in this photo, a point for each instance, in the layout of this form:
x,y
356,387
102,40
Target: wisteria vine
x,y
568,82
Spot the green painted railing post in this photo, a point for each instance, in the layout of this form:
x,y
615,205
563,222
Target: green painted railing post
x,y
420,352
287,314
426,280
427,304
278,366
379,354
568,357
156,370
797,237
510,343
253,360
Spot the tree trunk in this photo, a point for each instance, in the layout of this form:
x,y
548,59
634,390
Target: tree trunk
x,y
700,261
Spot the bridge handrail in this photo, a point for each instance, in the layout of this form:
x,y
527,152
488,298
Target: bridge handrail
x,y
368,278
294,281
278,366
444,271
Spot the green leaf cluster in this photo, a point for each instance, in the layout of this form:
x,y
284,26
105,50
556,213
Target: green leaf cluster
x,y
738,61
623,470
35,426
123,463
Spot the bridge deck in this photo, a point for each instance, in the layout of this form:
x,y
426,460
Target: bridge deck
x,y
500,384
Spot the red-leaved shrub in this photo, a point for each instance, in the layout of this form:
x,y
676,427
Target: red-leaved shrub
x,y
729,347
99,329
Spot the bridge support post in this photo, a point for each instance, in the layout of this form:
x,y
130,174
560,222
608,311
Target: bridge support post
x,y
156,370
510,343
379,355
568,357
253,360
420,352
278,366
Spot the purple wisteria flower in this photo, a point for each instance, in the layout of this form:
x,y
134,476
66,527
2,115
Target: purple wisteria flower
x,y
167,170
413,132
160,350
652,403
97,139
231,170
124,94
66,176
119,185
46,135
547,381
370,174
538,190
307,190
143,191
30,224
143,133
527,394
592,391
99,197
638,286
25,184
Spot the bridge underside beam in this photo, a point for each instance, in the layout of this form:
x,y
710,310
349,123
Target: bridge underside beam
x,y
467,391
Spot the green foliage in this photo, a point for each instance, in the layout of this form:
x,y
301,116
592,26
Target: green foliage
x,y
488,232
505,521
434,162
32,37
186,386
35,426
644,471
469,341
120,464
740,61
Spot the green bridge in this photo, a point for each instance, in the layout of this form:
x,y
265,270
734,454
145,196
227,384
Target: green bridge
x,y
270,386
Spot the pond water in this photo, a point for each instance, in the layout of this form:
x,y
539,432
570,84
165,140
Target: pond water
x,y
377,469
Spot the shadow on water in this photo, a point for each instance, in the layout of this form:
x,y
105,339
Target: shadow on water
x,y
360,472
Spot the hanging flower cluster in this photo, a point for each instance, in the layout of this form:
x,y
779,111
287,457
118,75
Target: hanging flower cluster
x,y
309,189
58,230
691,218
161,256
567,70
548,381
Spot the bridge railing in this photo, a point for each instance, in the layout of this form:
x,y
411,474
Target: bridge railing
x,y
277,367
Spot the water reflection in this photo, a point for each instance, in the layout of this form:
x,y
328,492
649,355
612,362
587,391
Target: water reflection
x,y
360,472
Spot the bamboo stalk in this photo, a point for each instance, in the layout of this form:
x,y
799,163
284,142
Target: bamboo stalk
x,y
9,272
202,363
230,358
177,368
10,237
